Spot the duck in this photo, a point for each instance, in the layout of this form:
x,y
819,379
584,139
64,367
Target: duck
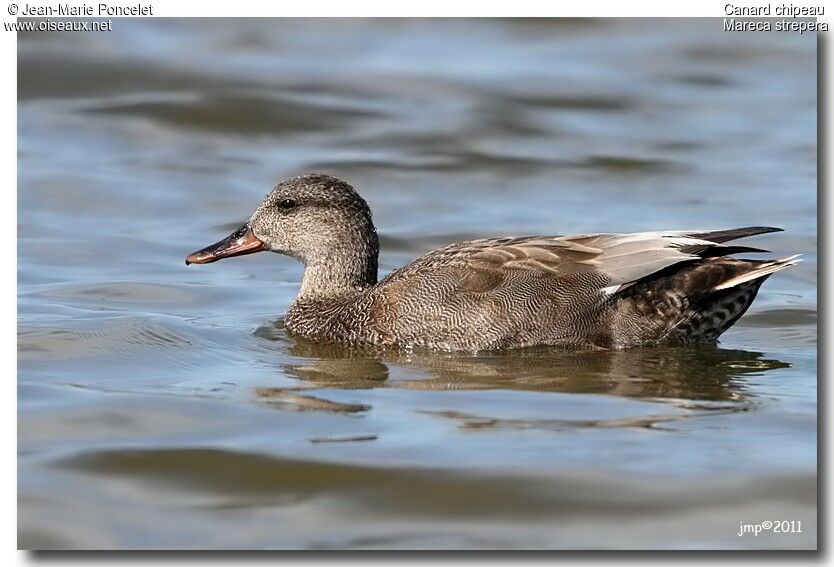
x,y
586,291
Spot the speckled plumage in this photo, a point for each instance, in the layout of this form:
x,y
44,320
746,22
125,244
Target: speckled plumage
x,y
592,291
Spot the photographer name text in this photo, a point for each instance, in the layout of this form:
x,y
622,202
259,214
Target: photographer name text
x,y
88,10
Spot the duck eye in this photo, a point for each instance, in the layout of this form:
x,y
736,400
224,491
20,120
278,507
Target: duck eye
x,y
286,204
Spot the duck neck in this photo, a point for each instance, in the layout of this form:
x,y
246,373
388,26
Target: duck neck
x,y
344,270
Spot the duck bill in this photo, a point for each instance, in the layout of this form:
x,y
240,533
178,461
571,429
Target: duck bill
x,y
240,242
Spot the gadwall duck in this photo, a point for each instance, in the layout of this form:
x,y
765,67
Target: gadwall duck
x,y
591,290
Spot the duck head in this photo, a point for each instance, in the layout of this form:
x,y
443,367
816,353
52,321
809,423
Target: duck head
x,y
318,219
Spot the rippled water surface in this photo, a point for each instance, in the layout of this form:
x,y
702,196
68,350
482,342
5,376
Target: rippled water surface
x,y
165,407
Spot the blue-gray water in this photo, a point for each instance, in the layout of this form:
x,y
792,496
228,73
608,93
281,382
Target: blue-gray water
x,y
164,407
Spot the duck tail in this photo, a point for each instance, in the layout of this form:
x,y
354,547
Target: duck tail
x,y
721,236
757,271
691,303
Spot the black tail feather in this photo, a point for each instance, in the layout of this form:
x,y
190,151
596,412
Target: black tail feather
x,y
718,250
720,236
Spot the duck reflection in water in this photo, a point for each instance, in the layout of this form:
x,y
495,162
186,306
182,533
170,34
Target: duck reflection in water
x,y
706,373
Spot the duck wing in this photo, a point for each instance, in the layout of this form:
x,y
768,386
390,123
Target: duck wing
x,y
611,261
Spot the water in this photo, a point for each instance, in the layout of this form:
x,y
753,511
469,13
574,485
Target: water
x,y
165,407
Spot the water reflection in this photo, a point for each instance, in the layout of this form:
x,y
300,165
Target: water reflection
x,y
703,374
281,398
